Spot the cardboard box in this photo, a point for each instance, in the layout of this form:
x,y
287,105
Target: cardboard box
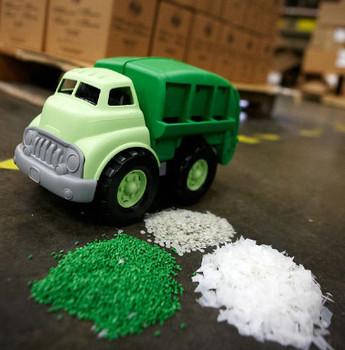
x,y
23,23
212,7
171,31
0,24
238,57
187,3
332,14
260,16
265,48
226,51
324,61
202,41
233,11
252,16
233,72
86,31
261,70
246,70
247,45
328,37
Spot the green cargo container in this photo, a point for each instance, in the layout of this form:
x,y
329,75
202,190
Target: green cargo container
x,y
178,100
109,131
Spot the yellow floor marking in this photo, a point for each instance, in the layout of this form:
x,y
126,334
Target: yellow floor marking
x,y
268,137
339,127
8,164
248,139
310,132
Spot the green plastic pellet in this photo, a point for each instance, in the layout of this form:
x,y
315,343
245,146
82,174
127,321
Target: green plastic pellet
x,y
57,255
30,257
123,285
157,333
183,325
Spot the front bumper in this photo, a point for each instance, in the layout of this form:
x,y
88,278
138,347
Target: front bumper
x,y
66,186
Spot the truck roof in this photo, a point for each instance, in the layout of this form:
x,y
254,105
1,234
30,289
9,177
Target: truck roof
x,y
165,69
97,76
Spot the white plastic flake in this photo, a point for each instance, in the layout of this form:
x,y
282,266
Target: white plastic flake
x,y
188,231
265,294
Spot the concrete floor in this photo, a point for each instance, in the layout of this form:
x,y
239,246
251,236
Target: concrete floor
x,y
288,193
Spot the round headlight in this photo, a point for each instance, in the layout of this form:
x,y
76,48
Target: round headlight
x,y
73,162
29,137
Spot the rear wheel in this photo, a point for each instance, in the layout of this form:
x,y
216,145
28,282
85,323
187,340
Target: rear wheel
x,y
128,186
192,171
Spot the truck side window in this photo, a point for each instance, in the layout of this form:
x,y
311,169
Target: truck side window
x,y
67,86
120,97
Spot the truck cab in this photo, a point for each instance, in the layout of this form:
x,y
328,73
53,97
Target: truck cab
x,y
100,99
91,106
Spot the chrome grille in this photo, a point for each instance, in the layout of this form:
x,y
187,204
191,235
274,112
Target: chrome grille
x,y
47,150
53,152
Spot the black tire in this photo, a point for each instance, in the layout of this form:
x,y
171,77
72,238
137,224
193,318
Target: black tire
x,y
185,158
115,171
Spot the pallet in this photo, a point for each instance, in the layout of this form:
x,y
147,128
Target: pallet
x,y
42,58
261,97
334,101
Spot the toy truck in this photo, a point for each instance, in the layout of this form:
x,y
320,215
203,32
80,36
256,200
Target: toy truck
x,y
111,130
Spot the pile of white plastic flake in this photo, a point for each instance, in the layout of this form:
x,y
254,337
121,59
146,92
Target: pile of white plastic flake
x,y
264,294
188,231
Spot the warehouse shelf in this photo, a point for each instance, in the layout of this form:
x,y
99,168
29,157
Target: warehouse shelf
x,y
300,12
258,88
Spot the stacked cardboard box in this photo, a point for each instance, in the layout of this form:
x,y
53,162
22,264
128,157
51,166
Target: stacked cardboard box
x,y
0,22
246,43
87,30
23,23
232,37
171,31
210,7
203,40
326,52
238,43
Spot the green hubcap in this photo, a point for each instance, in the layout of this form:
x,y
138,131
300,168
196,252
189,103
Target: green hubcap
x,y
132,188
197,175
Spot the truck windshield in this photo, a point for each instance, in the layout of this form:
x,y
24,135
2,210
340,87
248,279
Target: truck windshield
x,y
88,93
67,86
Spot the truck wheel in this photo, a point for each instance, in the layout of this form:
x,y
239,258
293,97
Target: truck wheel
x,y
128,186
192,172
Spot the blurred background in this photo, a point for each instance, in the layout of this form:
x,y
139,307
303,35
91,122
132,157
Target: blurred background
x,y
262,46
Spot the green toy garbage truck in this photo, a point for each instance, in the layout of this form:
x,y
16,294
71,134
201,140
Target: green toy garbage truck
x,y
111,130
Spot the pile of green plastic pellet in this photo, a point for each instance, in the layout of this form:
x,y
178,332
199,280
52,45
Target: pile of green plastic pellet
x,y
123,285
